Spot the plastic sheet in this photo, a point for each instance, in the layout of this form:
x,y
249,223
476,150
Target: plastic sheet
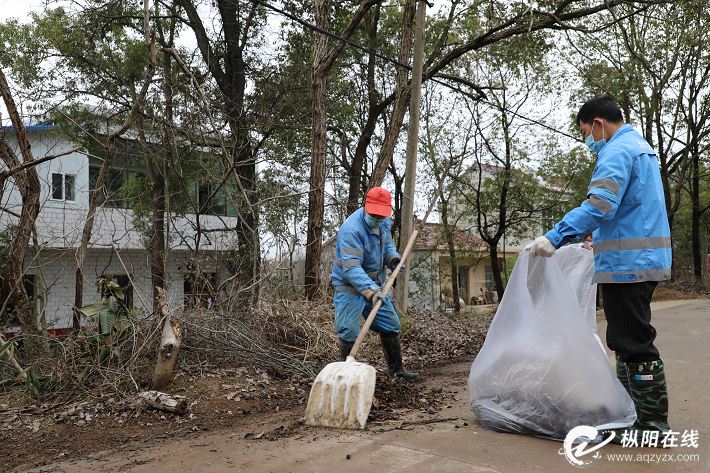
x,y
541,371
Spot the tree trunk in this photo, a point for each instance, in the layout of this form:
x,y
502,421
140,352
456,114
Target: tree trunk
x,y
497,279
232,83
449,234
226,65
165,402
157,244
169,346
110,151
40,286
403,95
247,228
28,183
695,230
374,111
323,60
316,198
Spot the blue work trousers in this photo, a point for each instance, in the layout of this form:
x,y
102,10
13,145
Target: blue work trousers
x,y
350,307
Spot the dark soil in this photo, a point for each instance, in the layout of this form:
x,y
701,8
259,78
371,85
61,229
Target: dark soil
x,y
232,399
668,291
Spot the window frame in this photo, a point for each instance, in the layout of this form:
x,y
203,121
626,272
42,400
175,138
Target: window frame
x,y
62,187
218,201
112,197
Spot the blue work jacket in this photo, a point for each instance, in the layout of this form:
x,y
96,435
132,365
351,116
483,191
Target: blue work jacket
x,y
626,210
361,254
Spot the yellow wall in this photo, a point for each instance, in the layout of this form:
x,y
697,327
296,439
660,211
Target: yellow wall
x,y
476,273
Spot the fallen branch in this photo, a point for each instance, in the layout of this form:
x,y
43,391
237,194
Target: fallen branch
x,y
300,349
402,423
428,421
8,348
165,402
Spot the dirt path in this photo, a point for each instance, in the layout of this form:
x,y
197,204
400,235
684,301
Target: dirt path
x,y
227,400
274,438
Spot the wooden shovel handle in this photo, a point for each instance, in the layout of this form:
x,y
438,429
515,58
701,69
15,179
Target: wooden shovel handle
x,y
385,291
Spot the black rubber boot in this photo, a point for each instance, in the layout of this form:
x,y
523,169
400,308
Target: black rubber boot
x,y
393,356
345,348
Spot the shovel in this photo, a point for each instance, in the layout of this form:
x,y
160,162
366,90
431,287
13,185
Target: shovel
x,y
341,396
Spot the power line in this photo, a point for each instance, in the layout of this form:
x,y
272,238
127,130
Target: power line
x,y
409,68
332,35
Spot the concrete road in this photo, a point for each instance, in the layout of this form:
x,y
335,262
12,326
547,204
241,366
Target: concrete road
x,y
684,332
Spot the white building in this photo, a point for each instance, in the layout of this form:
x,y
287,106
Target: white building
x,y
115,247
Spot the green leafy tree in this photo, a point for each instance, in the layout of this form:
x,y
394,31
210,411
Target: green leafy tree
x,y
501,196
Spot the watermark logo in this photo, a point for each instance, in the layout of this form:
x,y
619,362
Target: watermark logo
x,y
575,454
581,456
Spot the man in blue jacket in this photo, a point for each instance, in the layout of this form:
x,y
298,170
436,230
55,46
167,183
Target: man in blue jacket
x,y
626,210
364,248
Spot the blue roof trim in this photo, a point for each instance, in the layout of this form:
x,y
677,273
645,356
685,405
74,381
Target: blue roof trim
x,y
32,127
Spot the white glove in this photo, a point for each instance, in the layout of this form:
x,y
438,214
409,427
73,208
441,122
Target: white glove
x,y
541,247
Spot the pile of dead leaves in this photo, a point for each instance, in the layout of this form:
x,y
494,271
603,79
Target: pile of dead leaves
x,y
433,337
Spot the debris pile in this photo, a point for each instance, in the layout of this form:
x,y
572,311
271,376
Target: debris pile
x,y
433,338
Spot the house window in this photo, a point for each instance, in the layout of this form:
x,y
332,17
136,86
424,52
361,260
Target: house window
x,y
124,282
10,314
204,189
489,276
63,187
218,204
115,180
463,282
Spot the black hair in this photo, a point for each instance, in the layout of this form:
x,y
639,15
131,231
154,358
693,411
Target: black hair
x,y
600,107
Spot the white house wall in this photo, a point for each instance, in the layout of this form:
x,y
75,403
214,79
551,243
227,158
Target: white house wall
x,y
424,279
44,143
59,270
60,224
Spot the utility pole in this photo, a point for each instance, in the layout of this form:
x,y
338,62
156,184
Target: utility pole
x,y
705,258
410,173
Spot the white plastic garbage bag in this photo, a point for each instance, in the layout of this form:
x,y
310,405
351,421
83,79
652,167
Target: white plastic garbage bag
x,y
577,266
541,370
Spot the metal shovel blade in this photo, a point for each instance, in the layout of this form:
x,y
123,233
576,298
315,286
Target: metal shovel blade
x,y
341,395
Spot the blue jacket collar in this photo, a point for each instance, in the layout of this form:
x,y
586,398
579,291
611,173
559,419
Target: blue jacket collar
x,y
624,129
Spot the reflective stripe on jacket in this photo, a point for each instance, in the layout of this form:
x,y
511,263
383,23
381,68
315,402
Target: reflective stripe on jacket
x,y
626,210
361,254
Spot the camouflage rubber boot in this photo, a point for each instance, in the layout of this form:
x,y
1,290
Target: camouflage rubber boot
x,y
648,390
623,375
345,348
646,384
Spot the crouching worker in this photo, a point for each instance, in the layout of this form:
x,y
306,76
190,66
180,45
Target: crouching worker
x,y
364,248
